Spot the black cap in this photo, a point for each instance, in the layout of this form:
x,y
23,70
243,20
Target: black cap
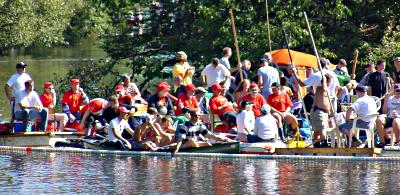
x,y
275,84
263,60
361,88
21,65
244,103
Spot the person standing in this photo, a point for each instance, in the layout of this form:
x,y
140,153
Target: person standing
x,y
28,106
182,69
379,81
267,75
16,83
396,73
215,73
321,107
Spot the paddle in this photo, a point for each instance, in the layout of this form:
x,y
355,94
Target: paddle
x,y
298,85
12,115
320,69
355,60
269,34
235,42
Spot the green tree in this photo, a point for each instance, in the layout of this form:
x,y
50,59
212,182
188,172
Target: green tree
x,y
202,28
39,22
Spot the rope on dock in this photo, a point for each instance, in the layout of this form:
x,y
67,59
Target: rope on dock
x,y
209,155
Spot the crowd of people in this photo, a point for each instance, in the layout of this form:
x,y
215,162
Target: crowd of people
x,y
258,108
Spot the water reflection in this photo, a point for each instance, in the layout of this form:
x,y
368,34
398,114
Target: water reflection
x,y
23,173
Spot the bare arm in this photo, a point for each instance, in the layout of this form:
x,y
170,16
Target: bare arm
x,y
203,80
7,90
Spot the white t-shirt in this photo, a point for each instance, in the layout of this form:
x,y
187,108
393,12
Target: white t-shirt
x,y
265,127
269,75
245,119
31,99
17,82
393,105
225,61
119,127
363,106
215,75
314,80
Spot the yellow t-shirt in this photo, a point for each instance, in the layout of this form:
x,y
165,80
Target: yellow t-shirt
x,y
180,70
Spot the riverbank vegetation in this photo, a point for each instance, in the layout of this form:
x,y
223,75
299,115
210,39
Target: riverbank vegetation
x,y
201,28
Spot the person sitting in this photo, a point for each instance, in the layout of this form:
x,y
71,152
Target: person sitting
x,y
265,127
281,105
111,111
29,107
390,117
193,134
90,112
284,86
117,126
73,100
242,90
132,89
166,125
245,120
219,105
184,117
124,99
48,99
256,98
160,100
178,81
187,100
202,100
363,106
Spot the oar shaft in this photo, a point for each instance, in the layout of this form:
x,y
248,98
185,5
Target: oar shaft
x,y
235,42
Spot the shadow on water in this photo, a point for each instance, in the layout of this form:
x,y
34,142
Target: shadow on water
x,y
79,173
42,64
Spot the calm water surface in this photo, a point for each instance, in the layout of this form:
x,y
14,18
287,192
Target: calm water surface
x,y
42,64
55,173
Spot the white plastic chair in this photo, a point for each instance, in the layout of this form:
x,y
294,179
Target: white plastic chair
x,y
370,132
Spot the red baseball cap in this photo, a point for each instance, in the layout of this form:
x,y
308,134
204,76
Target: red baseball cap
x,y
119,88
253,86
122,109
216,87
163,86
190,87
74,81
47,85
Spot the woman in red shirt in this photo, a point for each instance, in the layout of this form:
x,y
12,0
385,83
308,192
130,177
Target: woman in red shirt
x,y
48,99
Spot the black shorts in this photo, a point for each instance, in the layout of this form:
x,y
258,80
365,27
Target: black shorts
x,y
388,123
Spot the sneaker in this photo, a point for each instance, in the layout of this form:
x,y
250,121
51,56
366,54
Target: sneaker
x,y
387,140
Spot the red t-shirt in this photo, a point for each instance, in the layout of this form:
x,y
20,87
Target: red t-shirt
x,y
217,101
185,101
73,100
280,102
258,102
46,100
95,106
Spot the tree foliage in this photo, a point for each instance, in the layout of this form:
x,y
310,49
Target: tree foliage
x,y
202,28
39,22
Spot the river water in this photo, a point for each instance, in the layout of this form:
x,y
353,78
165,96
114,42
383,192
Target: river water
x,y
43,63
58,173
